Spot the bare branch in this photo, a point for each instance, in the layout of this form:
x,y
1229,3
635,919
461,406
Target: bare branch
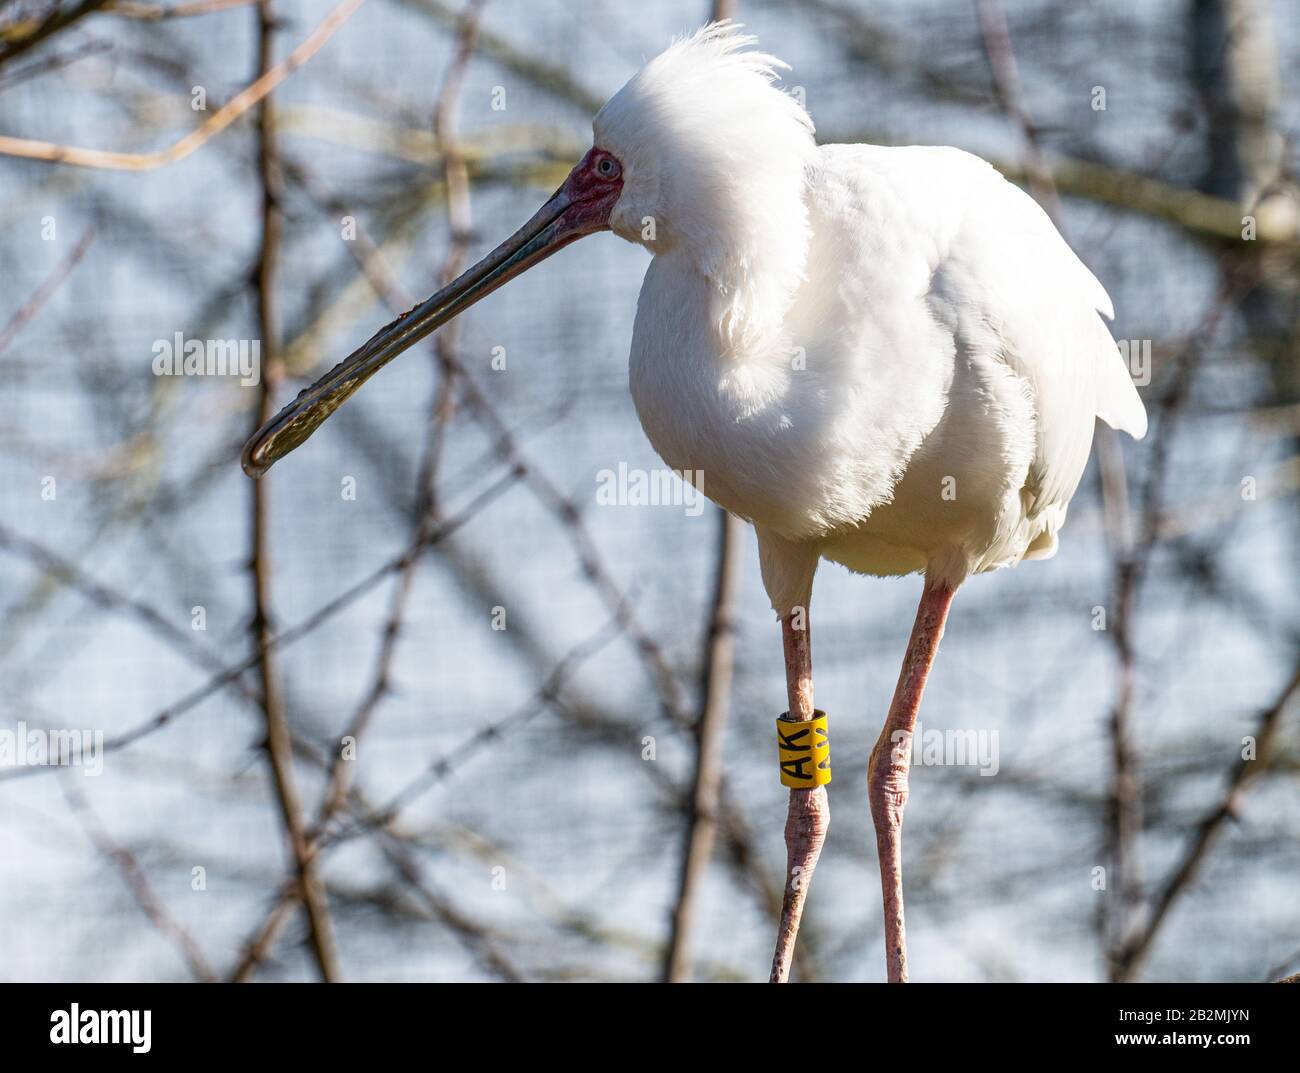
x,y
219,121
279,749
109,598
1124,819
25,312
154,12
20,38
702,816
137,883
1006,80
1243,773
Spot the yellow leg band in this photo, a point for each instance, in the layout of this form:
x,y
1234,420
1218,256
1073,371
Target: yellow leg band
x,y
803,748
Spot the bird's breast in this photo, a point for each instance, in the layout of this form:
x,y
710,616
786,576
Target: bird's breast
x,y
788,430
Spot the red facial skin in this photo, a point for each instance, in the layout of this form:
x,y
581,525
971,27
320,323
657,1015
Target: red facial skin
x,y
591,193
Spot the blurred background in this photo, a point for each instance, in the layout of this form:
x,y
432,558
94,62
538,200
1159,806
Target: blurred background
x,y
419,706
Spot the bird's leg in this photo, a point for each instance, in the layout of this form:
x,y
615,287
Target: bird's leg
x,y
890,761
809,814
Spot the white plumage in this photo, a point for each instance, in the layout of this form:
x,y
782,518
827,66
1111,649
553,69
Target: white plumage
x,y
887,357
884,357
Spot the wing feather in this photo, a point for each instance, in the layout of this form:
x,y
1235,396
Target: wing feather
x,y
1021,284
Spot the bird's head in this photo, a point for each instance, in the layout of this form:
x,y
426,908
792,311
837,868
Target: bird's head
x,y
699,153
713,158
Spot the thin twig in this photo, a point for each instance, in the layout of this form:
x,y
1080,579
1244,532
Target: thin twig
x,y
219,121
24,313
102,595
547,695
279,748
1198,846
1124,820
589,716
371,818
553,78
138,884
153,12
472,936
285,638
59,18
52,63
1006,82
702,815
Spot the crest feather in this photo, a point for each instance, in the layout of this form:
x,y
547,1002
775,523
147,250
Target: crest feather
x,y
717,155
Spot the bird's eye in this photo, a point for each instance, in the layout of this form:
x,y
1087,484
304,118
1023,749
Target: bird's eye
x,y
608,167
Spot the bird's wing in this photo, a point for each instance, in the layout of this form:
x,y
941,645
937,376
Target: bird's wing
x,y
1005,283
1013,240
1045,309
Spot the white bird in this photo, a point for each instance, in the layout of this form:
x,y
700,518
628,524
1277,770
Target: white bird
x,y
884,357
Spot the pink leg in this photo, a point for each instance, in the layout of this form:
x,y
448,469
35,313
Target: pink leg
x,y
809,814
890,761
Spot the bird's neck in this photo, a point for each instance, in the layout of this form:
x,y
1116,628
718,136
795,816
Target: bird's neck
x,y
753,257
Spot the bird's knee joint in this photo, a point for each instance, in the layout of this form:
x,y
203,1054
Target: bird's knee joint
x,y
887,805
